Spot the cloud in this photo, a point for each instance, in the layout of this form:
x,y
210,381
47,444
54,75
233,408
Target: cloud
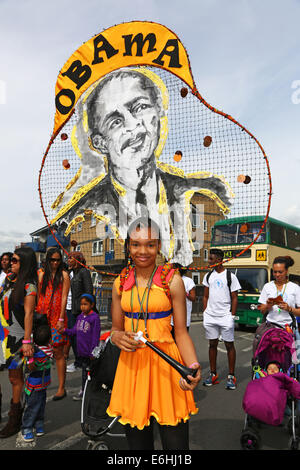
x,y
10,239
292,215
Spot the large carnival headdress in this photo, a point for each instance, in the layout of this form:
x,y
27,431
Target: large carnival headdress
x,y
199,149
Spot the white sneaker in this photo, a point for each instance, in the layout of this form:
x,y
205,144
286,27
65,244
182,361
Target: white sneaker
x,y
72,368
79,396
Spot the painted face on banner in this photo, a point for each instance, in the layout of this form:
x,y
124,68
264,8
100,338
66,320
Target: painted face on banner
x,y
132,135
128,122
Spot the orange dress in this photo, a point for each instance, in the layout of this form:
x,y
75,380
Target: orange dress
x,y
146,385
50,305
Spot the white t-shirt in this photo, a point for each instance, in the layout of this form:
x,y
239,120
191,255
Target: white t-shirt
x,y
189,285
290,293
69,298
219,299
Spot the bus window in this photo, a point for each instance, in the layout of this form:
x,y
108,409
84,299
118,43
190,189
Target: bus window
x,y
225,234
247,236
252,280
293,239
242,233
294,278
277,234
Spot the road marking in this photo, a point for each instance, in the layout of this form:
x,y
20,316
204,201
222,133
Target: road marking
x,y
247,337
247,349
70,441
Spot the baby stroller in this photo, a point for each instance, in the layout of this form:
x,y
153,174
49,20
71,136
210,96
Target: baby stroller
x,y
101,429
276,345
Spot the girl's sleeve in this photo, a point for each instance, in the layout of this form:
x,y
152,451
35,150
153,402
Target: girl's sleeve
x,y
117,284
96,333
263,296
71,331
30,289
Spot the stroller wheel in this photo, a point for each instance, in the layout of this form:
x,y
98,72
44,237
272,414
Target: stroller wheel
x,y
100,445
250,440
294,443
290,425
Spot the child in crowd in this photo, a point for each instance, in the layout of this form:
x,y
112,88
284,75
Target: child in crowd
x,y
265,398
36,384
273,368
87,331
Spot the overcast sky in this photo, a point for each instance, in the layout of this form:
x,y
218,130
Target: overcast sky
x,y
245,58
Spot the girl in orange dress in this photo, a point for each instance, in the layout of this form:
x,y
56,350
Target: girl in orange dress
x,y
54,286
146,388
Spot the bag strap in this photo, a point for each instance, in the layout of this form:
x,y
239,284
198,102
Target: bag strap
x,y
228,277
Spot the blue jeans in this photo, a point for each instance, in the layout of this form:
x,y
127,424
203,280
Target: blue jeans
x,y
34,411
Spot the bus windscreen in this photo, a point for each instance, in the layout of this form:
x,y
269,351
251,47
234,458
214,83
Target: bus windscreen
x,y
251,280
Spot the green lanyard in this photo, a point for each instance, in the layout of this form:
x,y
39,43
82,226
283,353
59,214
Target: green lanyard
x,y
281,293
141,302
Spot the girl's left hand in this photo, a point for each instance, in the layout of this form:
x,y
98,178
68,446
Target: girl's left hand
x,y
284,306
194,380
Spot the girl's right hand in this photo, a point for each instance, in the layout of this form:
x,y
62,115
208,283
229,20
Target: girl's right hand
x,y
125,340
270,303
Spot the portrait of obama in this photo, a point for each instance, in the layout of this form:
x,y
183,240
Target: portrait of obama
x,y
124,119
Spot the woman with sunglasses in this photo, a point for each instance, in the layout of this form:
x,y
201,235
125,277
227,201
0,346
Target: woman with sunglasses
x,y
146,388
54,284
18,301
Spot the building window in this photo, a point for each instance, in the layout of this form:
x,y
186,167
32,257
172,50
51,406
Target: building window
x,y
196,278
204,225
196,251
111,244
79,227
77,248
97,247
93,221
205,254
195,220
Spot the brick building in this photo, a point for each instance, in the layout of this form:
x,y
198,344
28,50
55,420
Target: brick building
x,y
103,252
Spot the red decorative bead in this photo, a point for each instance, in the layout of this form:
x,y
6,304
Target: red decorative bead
x,y
66,164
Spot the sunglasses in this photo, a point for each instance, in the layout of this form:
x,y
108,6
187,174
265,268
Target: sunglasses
x,y
14,260
55,260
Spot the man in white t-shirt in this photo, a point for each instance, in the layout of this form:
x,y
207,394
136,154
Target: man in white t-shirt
x,y
190,289
219,307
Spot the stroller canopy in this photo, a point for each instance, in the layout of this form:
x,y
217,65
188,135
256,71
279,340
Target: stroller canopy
x,y
276,345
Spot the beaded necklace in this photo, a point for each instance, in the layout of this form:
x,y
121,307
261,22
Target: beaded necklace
x,y
141,302
281,293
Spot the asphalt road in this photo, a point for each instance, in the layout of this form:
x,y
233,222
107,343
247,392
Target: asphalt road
x,y
217,426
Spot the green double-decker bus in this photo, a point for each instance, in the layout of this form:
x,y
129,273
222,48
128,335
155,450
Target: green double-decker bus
x,y
253,268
